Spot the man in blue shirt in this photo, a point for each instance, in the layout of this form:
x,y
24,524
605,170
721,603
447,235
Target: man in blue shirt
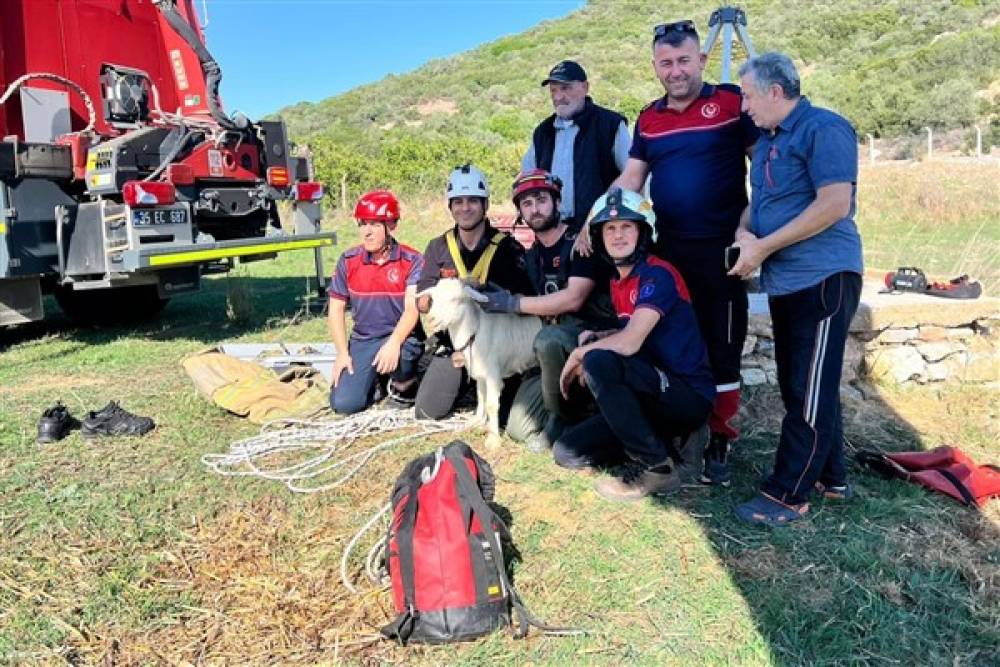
x,y
800,230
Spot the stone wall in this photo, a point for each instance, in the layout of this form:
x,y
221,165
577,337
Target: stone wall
x,y
898,339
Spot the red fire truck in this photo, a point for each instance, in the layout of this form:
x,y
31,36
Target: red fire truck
x,y
122,179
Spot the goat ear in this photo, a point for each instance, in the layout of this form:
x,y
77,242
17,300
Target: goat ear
x,y
475,295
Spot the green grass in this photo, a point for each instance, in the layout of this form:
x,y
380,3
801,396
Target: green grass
x,y
131,551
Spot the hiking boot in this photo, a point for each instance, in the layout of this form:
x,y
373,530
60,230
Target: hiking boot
x,y
691,448
113,420
639,480
716,465
56,423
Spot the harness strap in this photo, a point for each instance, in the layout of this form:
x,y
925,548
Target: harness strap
x,y
482,267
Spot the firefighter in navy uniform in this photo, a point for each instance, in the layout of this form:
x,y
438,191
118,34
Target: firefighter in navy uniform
x,y
471,250
573,296
649,375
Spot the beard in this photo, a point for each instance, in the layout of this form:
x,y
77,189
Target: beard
x,y
539,224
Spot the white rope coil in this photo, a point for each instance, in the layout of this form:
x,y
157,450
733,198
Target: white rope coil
x,y
321,449
301,454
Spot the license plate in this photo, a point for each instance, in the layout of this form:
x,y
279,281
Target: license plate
x,y
159,216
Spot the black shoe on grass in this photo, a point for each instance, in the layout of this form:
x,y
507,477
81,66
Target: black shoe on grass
x,y
113,420
716,469
56,423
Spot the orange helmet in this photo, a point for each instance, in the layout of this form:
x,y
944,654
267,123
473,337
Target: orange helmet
x,y
377,206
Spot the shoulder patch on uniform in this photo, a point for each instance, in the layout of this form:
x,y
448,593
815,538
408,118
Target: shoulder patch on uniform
x,y
647,290
409,249
353,251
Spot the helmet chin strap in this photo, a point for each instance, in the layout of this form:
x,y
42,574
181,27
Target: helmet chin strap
x,y
633,258
387,242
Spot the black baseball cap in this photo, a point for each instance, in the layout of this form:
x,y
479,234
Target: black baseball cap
x,y
566,72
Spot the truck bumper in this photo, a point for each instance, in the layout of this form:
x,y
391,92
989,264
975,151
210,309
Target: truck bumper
x,y
197,253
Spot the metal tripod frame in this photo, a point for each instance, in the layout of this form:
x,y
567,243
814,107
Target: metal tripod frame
x,y
728,20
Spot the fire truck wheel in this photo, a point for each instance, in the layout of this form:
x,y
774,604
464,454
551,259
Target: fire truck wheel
x,y
116,305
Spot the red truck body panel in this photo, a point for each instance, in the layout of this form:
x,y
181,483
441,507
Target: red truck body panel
x,y
74,38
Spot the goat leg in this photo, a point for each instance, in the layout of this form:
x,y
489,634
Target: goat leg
x,y
493,387
480,401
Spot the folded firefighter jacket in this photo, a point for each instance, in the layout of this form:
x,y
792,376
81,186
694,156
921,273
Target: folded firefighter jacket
x,y
257,393
947,470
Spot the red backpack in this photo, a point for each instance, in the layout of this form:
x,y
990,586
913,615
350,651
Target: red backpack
x,y
444,553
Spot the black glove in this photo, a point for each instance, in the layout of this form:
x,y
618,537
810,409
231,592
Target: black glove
x,y
499,300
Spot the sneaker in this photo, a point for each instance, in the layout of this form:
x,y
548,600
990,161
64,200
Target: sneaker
x,y
401,399
56,423
716,464
113,420
538,443
638,480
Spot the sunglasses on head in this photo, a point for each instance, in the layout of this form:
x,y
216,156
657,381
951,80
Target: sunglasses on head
x,y
677,26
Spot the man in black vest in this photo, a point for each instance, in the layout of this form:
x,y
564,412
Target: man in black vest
x,y
573,297
584,144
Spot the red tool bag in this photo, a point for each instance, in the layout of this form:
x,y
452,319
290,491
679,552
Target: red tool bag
x,y
947,470
444,554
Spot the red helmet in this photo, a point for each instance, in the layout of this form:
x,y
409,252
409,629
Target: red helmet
x,y
536,179
378,206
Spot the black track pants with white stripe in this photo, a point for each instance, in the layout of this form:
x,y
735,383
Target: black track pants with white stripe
x,y
810,331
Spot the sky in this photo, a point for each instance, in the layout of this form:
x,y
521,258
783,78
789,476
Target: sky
x,y
278,52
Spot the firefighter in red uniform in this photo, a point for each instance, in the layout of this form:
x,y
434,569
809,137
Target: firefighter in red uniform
x,y
378,278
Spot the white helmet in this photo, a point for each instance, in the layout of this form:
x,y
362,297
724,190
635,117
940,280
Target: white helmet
x,y
621,204
467,181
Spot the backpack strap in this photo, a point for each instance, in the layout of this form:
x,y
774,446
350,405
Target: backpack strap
x,y
401,627
468,488
533,265
565,250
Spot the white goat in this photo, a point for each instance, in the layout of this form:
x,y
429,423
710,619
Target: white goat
x,y
495,345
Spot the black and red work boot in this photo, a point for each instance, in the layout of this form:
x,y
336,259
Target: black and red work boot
x,y
55,423
112,419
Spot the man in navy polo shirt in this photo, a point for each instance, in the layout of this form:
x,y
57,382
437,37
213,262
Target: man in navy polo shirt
x,y
650,377
694,141
378,278
801,232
